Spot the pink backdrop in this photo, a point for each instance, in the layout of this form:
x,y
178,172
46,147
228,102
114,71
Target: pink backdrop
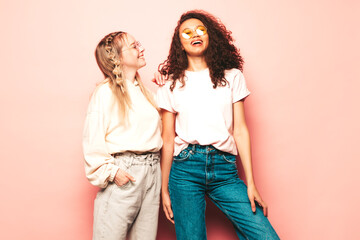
x,y
302,66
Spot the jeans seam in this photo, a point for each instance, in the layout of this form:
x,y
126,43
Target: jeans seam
x,y
228,215
105,210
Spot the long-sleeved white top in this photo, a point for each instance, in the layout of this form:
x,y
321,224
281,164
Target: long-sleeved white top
x,y
104,134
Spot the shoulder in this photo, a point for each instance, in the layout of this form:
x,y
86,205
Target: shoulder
x,y
234,76
166,86
103,89
102,93
232,73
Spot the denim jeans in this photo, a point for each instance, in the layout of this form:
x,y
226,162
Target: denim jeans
x,y
203,170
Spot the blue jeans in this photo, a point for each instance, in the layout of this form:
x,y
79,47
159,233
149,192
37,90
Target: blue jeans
x,y
203,170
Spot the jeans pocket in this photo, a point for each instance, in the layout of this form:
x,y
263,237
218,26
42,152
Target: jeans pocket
x,y
125,186
229,158
183,155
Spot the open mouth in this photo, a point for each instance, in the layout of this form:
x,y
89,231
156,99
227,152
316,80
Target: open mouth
x,y
196,42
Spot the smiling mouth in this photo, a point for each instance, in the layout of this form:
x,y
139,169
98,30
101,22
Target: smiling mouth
x,y
196,42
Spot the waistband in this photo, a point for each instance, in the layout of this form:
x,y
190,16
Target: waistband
x,y
130,158
203,148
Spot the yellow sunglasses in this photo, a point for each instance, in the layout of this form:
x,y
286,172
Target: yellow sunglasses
x,y
188,33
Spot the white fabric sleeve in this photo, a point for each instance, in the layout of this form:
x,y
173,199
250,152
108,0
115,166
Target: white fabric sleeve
x,y
239,90
99,164
164,98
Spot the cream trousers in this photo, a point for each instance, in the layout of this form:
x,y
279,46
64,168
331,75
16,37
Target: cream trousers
x,y
134,207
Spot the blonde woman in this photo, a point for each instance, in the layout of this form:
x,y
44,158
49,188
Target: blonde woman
x,y
121,143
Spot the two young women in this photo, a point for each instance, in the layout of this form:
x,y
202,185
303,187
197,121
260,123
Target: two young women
x,y
203,130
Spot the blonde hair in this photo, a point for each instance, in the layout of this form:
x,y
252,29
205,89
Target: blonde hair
x,y
108,57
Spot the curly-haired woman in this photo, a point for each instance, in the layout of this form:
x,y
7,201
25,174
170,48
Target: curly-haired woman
x,y
204,129
121,144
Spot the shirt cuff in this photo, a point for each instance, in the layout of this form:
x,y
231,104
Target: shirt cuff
x,y
113,173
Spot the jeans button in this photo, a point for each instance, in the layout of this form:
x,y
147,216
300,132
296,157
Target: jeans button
x,y
191,152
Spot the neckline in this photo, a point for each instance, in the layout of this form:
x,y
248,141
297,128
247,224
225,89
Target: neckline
x,y
196,72
135,83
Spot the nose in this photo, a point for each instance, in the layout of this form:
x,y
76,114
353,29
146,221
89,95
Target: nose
x,y
195,35
140,48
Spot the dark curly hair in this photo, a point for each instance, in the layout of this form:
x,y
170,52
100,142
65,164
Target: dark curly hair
x,y
220,55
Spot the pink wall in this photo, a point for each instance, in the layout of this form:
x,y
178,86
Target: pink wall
x,y
302,66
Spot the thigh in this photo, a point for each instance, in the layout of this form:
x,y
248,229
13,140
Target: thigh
x,y
187,194
116,207
110,216
145,224
230,195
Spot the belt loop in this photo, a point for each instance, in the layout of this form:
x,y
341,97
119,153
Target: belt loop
x,y
131,160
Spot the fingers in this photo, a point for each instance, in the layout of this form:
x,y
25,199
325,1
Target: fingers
x,y
253,206
122,177
121,182
167,206
168,212
264,207
162,79
159,79
131,178
265,210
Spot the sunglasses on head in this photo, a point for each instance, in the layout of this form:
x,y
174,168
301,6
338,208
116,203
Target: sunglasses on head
x,y
188,33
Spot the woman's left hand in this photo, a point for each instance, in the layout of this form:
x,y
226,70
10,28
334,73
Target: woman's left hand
x,y
255,196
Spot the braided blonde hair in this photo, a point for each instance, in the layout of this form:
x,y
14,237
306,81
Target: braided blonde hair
x,y
108,57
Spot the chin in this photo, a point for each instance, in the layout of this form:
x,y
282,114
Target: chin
x,y
196,54
142,64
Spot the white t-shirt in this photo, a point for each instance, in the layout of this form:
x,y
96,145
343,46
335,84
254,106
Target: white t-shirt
x,y
204,115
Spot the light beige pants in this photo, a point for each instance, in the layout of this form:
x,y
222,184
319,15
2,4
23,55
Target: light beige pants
x,y
134,207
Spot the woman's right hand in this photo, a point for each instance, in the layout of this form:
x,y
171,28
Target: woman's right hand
x,y
159,79
121,178
167,205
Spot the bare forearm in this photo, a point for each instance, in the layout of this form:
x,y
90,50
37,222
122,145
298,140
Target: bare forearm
x,y
243,145
168,136
166,161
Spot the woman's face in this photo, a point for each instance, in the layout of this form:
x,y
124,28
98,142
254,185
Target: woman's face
x,y
197,39
132,53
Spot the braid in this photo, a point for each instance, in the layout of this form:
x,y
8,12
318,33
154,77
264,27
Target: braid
x,y
114,60
108,57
